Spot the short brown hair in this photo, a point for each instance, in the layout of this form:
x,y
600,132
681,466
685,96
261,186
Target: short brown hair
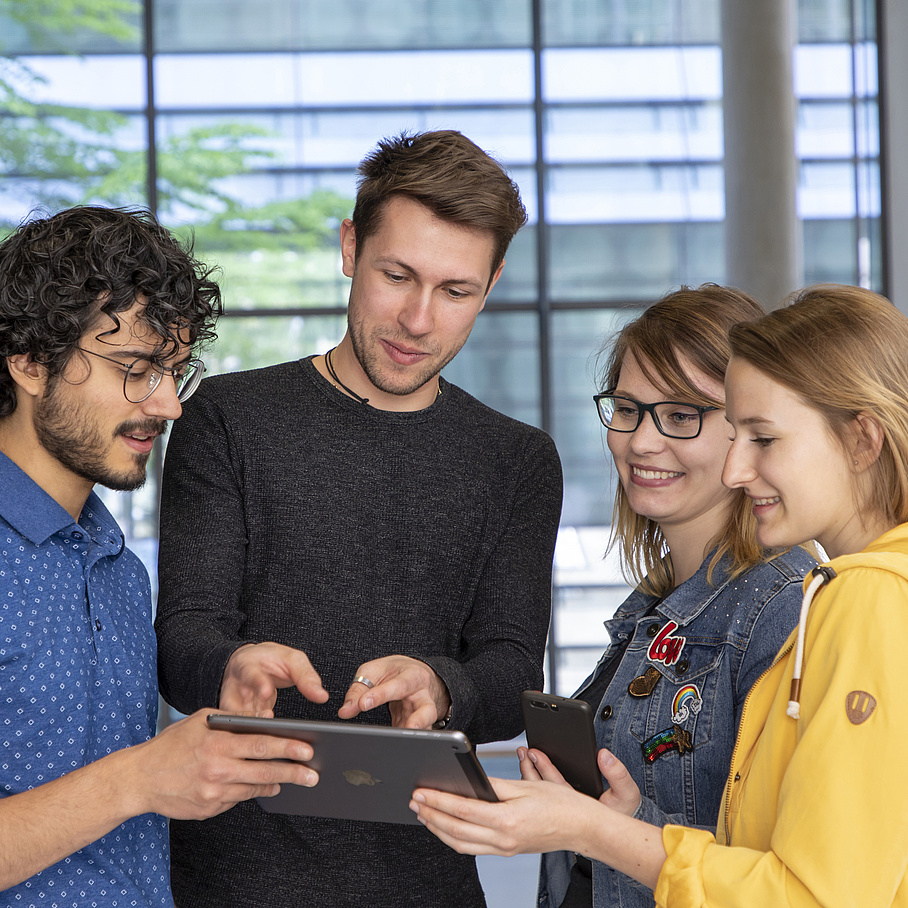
x,y
844,351
452,176
693,323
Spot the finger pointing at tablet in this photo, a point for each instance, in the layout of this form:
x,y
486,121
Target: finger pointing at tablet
x,y
415,694
255,672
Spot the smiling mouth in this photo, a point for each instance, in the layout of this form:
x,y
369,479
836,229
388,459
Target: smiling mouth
x,y
758,502
654,474
401,350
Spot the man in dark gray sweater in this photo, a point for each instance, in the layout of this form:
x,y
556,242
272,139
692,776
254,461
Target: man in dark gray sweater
x,y
354,516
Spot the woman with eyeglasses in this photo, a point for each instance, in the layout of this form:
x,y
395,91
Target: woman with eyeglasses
x,y
710,608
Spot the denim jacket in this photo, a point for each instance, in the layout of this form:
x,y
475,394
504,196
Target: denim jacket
x,y
690,665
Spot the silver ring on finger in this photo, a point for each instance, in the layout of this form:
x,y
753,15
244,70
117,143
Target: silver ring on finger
x,y
362,679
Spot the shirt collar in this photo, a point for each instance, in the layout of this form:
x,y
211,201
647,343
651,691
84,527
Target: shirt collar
x,y
34,514
686,601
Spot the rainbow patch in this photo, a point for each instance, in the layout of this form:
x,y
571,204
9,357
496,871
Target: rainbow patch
x,y
687,702
687,693
672,739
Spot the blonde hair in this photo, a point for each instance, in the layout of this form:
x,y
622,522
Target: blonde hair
x,y
844,351
692,323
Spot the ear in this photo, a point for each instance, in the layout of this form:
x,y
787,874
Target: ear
x,y
867,441
348,246
29,375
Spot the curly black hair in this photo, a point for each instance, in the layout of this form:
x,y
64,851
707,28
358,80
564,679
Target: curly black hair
x,y
59,274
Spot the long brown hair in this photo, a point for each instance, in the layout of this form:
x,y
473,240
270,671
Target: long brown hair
x,y
693,323
844,351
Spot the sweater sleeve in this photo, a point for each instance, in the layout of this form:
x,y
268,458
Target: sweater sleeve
x,y
504,639
840,835
201,558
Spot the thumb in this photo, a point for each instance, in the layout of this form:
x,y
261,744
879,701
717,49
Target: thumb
x,y
307,679
623,794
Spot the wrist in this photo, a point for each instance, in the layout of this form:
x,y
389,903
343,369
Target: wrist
x,y
123,784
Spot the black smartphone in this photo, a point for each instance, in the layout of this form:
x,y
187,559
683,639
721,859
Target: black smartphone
x,y
563,730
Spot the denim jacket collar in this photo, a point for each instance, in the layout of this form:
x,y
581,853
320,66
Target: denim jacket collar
x,y
683,603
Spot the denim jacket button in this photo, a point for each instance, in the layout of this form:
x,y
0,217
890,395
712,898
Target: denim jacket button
x,y
606,712
652,630
683,667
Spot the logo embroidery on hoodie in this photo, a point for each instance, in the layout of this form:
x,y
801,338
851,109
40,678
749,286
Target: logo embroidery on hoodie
x,y
859,705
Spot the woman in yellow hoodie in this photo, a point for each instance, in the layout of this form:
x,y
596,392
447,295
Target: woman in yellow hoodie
x,y
816,804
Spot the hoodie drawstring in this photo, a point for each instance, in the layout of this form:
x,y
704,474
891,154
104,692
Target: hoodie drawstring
x,y
822,574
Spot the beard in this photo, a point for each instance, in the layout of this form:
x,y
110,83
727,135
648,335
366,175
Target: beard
x,y
386,379
69,434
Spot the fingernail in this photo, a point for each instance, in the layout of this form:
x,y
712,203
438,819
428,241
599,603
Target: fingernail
x,y
419,798
609,759
367,703
347,703
532,757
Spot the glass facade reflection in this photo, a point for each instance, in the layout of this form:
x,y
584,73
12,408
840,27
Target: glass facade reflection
x,y
243,122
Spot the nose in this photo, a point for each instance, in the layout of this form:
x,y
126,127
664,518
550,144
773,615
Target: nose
x,y
163,402
416,315
738,471
646,437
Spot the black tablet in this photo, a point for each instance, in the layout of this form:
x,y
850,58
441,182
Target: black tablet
x,y
368,772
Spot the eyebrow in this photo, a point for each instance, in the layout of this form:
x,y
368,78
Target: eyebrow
x,y
132,355
753,421
665,400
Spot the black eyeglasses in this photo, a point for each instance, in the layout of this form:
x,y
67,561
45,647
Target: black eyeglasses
x,y
142,376
672,418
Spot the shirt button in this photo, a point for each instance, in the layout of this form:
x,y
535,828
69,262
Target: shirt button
x,y
97,624
77,535
652,630
606,712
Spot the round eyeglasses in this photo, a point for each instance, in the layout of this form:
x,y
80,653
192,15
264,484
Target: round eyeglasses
x,y
671,418
142,376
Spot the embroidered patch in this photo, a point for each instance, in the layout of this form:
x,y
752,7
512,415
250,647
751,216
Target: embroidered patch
x,y
674,738
643,685
665,648
687,702
859,705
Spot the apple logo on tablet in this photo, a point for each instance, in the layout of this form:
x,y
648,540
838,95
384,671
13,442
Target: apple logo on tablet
x,y
359,777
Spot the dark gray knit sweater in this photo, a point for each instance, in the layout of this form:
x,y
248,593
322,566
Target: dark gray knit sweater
x,y
292,513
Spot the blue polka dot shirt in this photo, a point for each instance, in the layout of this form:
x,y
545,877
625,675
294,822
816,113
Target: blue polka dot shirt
x,y
78,680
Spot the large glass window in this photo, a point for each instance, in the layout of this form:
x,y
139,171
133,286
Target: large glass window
x,y
243,123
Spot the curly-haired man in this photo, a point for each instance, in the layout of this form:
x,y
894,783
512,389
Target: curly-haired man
x,y
102,312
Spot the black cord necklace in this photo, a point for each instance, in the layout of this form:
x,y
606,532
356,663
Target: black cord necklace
x,y
338,382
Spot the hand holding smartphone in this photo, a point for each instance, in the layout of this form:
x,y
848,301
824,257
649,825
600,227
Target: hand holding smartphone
x,y
562,729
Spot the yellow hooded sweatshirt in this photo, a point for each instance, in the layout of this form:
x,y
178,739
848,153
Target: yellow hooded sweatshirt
x,y
816,808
